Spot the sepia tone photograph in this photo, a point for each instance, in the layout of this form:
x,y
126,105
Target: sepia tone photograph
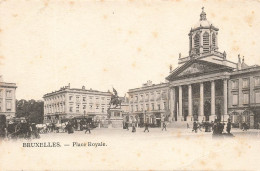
x,y
129,85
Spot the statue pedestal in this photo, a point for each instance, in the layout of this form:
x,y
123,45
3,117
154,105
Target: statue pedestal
x,y
115,118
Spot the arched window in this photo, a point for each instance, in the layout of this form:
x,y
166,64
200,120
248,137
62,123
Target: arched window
x,y
197,43
206,42
214,40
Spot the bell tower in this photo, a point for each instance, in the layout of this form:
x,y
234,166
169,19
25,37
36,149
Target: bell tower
x,y
203,37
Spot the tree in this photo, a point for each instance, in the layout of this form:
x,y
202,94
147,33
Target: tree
x,y
32,110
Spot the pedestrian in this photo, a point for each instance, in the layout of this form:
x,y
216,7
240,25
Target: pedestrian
x,y
126,125
133,127
195,127
146,127
69,127
228,126
164,126
244,126
87,128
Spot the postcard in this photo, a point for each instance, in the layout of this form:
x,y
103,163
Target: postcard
x,y
129,85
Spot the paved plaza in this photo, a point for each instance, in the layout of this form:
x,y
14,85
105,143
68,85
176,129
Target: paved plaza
x,y
172,149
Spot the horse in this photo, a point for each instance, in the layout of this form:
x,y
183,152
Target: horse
x,y
60,127
42,128
116,102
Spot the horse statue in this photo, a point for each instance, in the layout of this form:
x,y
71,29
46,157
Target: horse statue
x,y
115,101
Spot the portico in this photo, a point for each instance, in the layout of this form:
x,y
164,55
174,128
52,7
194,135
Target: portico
x,y
200,95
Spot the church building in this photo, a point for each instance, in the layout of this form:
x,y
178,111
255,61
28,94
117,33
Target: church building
x,y
207,86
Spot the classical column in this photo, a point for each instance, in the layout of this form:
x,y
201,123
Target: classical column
x,y
201,115
213,106
190,103
180,104
225,99
172,102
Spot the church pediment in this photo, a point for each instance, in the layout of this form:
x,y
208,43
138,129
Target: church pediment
x,y
196,67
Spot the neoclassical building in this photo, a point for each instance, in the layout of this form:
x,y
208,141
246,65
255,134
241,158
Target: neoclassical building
x,y
7,98
76,103
148,104
207,86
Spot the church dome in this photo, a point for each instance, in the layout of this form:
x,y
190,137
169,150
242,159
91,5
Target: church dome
x,y
203,21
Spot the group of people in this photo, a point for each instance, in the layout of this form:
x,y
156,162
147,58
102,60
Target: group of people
x,y
19,129
216,127
73,125
146,127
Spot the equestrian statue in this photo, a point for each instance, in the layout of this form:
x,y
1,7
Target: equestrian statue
x,y
115,101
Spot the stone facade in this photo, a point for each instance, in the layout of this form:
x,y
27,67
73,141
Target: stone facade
x,y
7,98
148,104
72,103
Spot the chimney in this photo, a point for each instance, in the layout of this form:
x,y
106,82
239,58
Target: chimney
x,y
239,62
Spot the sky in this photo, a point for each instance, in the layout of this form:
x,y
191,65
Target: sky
x,y
45,45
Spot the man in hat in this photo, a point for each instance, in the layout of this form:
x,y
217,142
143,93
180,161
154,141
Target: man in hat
x,y
146,127
228,126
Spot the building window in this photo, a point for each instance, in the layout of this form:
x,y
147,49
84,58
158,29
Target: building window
x,y
235,99
152,97
257,97
84,106
213,39
97,106
132,108
70,97
159,107
8,106
77,99
158,96
234,84
90,107
136,108
152,106
147,97
136,98
147,107
245,83
141,98
245,98
71,109
77,108
197,43
8,93
164,105
206,42
84,99
257,81
103,110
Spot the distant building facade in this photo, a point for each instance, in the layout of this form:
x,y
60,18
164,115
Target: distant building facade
x,y
7,98
244,95
76,103
148,104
